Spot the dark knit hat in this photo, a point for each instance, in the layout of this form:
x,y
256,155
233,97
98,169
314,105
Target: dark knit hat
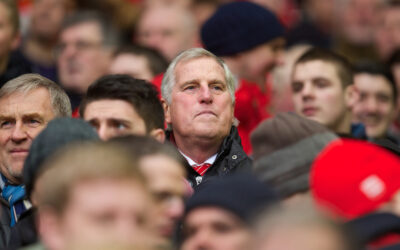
x,y
284,148
351,178
58,133
241,194
239,26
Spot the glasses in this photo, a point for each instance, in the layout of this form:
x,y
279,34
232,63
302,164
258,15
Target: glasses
x,y
80,46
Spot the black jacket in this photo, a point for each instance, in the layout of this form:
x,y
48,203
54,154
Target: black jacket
x,y
230,159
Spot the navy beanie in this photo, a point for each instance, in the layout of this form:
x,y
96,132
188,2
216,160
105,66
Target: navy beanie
x,y
241,194
58,133
239,26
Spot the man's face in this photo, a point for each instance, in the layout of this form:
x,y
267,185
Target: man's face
x,y
387,35
375,108
214,228
8,39
103,211
22,117
82,58
318,93
257,62
166,182
47,16
164,30
201,106
134,65
113,118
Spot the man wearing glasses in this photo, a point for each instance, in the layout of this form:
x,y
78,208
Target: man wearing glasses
x,y
86,44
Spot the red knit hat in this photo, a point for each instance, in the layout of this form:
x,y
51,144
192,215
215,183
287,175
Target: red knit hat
x,y
351,178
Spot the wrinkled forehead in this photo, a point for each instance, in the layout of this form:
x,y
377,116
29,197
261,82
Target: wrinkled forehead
x,y
190,66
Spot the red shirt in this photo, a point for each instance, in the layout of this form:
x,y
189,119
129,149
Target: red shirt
x,y
250,109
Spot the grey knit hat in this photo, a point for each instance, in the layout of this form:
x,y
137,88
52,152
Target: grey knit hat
x,y
284,148
58,133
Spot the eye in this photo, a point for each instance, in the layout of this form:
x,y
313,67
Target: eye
x,y
383,98
94,124
321,83
60,48
121,126
167,33
189,87
363,97
32,122
218,87
222,227
6,124
297,87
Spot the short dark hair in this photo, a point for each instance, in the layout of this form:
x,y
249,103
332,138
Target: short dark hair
x,y
142,95
157,63
374,68
341,64
394,58
110,34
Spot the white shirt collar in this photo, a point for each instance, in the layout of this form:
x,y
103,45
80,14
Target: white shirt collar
x,y
192,163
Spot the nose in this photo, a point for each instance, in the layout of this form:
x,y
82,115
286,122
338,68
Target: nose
x,y
371,105
175,208
308,91
205,95
19,133
201,240
104,132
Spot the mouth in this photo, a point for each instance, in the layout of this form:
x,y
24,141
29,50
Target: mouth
x,y
166,230
19,152
371,120
205,113
309,111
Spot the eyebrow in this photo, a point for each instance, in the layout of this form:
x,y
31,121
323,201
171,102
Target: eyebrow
x,y
214,80
96,119
31,115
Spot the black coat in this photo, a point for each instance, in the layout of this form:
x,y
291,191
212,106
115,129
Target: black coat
x,y
230,159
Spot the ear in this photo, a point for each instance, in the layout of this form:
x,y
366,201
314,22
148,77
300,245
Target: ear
x,y
351,96
394,204
158,134
16,41
50,229
167,112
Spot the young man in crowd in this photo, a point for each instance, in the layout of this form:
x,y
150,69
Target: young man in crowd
x,y
323,90
376,106
119,104
93,196
249,38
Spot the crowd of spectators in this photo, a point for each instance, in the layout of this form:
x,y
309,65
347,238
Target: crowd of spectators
x,y
200,124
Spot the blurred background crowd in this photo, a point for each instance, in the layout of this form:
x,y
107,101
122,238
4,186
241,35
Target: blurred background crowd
x,y
200,124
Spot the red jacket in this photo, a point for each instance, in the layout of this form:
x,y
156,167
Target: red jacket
x,y
250,109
